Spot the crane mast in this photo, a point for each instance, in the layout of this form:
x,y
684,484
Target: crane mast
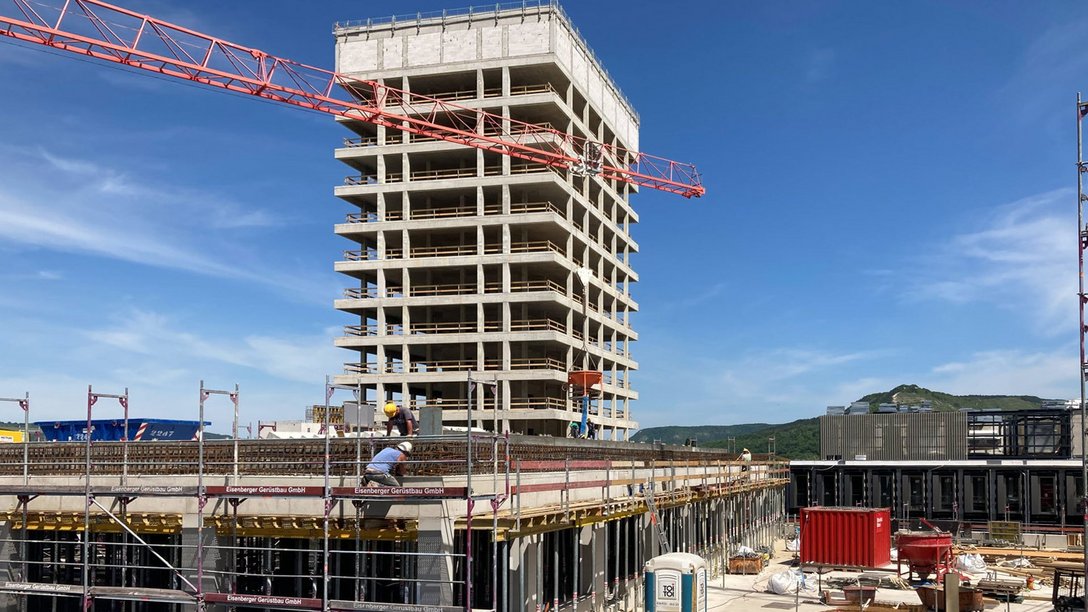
x,y
110,33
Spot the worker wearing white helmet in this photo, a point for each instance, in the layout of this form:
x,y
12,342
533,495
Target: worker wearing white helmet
x,y
401,417
388,466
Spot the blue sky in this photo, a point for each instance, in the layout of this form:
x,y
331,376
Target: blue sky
x,y
891,200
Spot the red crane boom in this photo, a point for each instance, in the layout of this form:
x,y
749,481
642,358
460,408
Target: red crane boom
x,y
97,29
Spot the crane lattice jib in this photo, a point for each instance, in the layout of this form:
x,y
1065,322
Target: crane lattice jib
x,y
96,29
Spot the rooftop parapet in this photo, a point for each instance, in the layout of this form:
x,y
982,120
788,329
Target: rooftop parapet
x,y
480,14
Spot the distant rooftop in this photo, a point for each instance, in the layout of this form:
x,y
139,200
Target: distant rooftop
x,y
483,11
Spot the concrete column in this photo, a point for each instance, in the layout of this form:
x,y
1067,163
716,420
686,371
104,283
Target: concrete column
x,y
435,545
380,393
518,562
213,561
595,566
538,596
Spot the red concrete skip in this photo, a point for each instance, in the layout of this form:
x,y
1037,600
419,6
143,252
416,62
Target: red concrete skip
x,y
846,537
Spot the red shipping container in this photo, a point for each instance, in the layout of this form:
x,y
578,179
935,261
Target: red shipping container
x,y
846,537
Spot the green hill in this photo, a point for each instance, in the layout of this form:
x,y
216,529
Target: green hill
x,y
801,439
797,440
913,394
674,434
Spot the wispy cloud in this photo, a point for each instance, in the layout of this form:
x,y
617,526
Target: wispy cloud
x,y
1022,256
819,64
1051,374
781,376
1039,86
161,357
294,358
780,385
211,209
72,205
706,295
31,225
772,385
35,275
71,166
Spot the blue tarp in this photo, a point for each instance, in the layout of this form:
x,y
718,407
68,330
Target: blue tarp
x,y
113,429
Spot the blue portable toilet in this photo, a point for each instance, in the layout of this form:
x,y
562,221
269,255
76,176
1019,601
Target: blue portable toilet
x,y
676,582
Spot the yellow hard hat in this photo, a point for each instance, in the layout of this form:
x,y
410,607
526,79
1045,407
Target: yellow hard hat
x,y
390,409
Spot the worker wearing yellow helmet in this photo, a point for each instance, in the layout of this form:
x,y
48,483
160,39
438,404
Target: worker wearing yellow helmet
x,y
402,418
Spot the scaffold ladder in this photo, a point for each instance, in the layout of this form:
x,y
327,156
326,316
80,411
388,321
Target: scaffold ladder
x,y
662,538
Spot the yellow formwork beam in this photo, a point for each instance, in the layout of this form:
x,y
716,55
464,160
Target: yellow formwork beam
x,y
140,522
556,517
312,527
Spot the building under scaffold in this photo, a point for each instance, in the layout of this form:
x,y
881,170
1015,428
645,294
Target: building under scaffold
x,y
529,523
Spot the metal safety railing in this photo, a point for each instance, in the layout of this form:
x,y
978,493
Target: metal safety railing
x,y
118,548
334,548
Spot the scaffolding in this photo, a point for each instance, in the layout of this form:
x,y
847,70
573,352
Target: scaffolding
x,y
483,522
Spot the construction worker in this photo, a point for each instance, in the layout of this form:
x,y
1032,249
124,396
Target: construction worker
x,y
746,459
572,431
402,418
388,466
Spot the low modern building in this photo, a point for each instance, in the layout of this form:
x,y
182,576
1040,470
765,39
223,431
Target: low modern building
x,y
971,467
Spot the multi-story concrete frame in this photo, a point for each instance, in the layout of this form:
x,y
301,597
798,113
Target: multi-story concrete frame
x,y
467,261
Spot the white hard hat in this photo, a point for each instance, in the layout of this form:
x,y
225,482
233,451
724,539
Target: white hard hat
x,y
405,447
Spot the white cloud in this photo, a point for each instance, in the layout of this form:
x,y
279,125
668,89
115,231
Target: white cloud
x,y
71,166
171,394
1049,374
294,358
161,359
72,205
773,386
189,207
781,385
1022,257
28,224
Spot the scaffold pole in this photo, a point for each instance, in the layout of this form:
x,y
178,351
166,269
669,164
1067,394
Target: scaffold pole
x,y
1082,242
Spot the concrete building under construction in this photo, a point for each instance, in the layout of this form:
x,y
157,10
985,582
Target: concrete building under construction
x,y
473,261
528,523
